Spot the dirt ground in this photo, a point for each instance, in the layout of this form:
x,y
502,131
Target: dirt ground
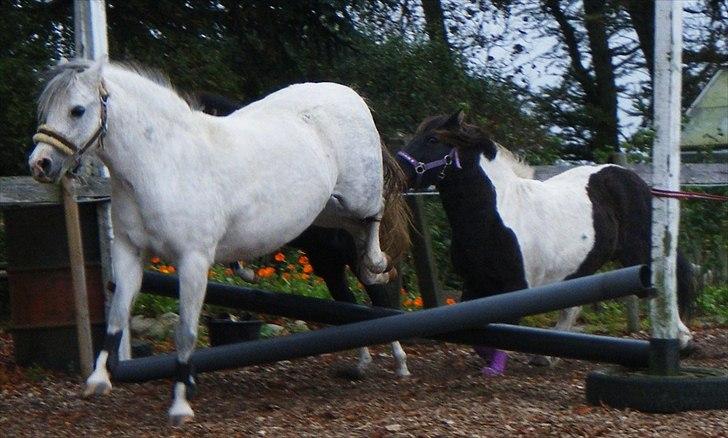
x,y
446,396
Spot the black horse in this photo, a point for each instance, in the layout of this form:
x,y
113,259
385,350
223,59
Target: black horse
x,y
331,250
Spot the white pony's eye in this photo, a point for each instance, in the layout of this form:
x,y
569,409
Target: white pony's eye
x,y
77,111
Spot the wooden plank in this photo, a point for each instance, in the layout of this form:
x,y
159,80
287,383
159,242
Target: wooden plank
x,y
19,191
697,174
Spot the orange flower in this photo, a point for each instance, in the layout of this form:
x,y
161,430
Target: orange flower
x,y
155,260
171,269
449,301
303,260
266,272
280,257
407,302
163,269
229,272
291,267
307,269
418,302
304,276
286,276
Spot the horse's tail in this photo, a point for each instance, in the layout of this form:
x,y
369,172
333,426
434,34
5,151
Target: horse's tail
x,y
686,292
397,218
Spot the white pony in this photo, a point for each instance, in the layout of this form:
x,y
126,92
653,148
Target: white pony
x,y
197,189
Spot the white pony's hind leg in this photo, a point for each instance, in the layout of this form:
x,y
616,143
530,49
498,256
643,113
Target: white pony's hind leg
x,y
373,262
193,282
567,319
374,259
127,265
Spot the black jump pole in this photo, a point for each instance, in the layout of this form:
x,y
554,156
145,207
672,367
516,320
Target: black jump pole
x,y
467,315
631,353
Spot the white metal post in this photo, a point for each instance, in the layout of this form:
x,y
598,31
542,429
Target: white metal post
x,y
666,175
92,43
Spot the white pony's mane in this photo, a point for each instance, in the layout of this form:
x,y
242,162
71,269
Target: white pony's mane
x,y
516,163
60,78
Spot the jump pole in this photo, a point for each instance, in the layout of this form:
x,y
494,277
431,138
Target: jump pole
x,y
467,315
628,352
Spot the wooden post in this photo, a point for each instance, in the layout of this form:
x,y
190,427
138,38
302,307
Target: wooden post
x,y
78,277
666,175
422,254
631,303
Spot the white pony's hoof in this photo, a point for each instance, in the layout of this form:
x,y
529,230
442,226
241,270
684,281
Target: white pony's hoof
x,y
98,383
403,373
180,413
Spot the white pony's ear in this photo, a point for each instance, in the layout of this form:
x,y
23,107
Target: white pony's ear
x,y
95,71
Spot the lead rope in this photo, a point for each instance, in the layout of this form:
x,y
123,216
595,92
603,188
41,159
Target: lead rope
x,y
661,193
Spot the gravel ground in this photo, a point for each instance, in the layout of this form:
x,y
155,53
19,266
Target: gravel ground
x,y
446,396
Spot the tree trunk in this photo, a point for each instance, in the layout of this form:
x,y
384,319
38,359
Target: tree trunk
x,y
606,119
642,15
435,23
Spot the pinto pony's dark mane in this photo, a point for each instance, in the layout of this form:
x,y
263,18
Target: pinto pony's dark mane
x,y
472,137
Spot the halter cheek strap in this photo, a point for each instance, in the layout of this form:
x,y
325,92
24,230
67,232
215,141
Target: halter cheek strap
x,y
47,135
420,168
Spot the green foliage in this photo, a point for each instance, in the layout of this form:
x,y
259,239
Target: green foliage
x,y
713,302
704,237
153,305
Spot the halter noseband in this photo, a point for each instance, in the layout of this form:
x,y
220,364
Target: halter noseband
x,y
46,135
444,162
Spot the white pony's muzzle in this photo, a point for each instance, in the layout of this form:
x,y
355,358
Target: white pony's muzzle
x,y
46,163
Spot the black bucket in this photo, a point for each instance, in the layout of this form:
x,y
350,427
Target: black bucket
x,y
226,331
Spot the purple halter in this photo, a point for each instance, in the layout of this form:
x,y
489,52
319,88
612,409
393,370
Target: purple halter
x,y
444,162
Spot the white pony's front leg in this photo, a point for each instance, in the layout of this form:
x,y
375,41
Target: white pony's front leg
x,y
192,284
127,266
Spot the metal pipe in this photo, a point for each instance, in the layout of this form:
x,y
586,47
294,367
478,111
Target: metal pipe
x,y
467,315
627,352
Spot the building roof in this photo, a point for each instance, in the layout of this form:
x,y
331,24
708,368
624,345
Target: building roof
x,y
707,123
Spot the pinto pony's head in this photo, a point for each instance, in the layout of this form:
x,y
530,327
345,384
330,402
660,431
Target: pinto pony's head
x,y
72,118
439,145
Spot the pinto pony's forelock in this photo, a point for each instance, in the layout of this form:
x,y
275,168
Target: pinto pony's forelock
x,y
468,136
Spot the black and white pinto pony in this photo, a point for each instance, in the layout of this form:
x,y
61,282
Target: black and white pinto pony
x,y
331,250
198,189
511,232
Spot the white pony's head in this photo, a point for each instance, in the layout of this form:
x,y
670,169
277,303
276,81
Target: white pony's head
x,y
71,116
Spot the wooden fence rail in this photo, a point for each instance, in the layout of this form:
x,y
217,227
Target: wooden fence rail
x,y
24,191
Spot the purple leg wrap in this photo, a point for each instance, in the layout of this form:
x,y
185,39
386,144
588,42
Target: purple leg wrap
x,y
497,365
